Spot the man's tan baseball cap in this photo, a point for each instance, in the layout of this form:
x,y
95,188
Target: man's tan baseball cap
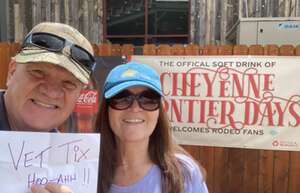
x,y
36,54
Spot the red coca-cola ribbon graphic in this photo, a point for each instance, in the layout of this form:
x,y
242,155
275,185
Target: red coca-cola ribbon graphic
x,y
87,102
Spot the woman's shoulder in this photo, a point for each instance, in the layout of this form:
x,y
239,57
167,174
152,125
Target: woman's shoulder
x,y
190,166
187,161
194,177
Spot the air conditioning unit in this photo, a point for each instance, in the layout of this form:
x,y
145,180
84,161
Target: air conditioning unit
x,y
274,30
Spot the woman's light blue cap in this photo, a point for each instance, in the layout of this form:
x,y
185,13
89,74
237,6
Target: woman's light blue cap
x,y
130,75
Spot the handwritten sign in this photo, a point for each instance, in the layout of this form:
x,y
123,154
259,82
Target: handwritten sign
x,y
29,158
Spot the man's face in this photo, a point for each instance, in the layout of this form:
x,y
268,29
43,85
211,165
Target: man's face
x,y
40,97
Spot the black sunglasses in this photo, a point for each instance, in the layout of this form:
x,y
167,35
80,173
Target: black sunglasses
x,y
55,43
147,100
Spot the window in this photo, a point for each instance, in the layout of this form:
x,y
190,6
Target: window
x,y
146,21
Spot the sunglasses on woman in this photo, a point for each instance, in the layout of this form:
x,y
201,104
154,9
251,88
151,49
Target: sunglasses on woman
x,y
55,43
147,100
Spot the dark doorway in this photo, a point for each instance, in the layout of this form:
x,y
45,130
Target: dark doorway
x,y
140,22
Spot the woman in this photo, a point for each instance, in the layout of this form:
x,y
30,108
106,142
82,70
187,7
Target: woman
x,y
138,154
137,150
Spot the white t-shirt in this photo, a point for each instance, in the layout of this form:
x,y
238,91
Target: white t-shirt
x,y
151,183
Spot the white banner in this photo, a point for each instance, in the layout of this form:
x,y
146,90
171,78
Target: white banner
x,y
232,101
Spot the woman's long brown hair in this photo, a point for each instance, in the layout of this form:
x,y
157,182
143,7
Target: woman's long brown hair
x,y
162,151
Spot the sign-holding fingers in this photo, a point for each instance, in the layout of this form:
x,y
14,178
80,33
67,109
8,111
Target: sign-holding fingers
x,y
38,189
57,188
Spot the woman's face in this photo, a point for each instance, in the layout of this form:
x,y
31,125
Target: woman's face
x,y
133,124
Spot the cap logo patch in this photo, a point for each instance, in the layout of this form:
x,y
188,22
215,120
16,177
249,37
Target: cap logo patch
x,y
129,73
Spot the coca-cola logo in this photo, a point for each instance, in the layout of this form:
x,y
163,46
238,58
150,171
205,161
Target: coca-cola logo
x,y
275,143
89,97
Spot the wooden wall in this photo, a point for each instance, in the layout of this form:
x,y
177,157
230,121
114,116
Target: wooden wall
x,y
84,15
7,50
229,170
211,21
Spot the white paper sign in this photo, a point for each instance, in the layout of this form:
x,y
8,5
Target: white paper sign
x,y
28,158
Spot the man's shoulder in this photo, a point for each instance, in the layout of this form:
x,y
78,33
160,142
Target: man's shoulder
x,y
4,126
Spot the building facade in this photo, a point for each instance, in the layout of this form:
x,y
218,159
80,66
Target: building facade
x,y
142,21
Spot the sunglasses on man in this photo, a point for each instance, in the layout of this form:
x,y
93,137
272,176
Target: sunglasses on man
x,y
147,100
53,43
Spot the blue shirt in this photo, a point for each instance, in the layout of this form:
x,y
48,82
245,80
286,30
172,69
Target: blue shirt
x,y
4,125
151,183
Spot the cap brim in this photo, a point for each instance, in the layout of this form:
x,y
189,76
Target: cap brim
x,y
40,55
122,86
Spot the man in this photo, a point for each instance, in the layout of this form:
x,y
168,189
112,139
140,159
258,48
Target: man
x,y
45,78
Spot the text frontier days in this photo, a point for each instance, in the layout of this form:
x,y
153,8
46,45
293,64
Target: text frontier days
x,y
195,97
